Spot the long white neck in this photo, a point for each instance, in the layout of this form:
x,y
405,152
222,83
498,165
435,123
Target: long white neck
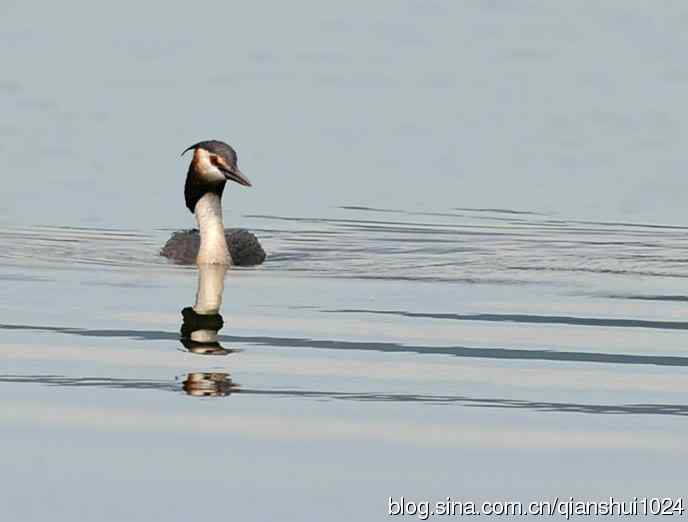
x,y
213,248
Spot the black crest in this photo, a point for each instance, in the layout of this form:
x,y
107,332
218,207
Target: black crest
x,y
216,147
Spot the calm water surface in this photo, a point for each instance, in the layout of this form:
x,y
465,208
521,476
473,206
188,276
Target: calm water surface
x,y
476,284
471,353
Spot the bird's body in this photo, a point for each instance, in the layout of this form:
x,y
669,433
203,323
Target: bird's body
x,y
213,163
244,248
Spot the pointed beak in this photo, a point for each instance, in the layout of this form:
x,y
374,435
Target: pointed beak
x,y
234,174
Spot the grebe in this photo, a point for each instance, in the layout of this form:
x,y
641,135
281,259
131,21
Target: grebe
x,y
213,163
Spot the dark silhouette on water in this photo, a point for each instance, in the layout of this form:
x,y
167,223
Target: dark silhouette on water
x,y
213,163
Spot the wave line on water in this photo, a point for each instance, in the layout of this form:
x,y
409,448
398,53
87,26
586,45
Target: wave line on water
x,y
476,246
378,346
445,400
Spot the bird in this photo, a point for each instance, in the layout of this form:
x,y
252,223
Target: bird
x,y
213,164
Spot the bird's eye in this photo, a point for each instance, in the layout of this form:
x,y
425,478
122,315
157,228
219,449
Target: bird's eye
x,y
216,160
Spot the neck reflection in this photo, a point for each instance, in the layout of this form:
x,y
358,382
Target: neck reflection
x,y
202,321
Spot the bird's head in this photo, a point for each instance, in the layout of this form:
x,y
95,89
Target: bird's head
x,y
213,163
216,161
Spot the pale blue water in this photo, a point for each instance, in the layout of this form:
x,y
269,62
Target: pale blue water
x,y
476,280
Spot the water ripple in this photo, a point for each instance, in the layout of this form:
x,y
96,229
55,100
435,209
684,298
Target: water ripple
x,y
494,246
445,400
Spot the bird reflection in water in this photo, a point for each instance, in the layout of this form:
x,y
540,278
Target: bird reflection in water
x,y
209,384
201,323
